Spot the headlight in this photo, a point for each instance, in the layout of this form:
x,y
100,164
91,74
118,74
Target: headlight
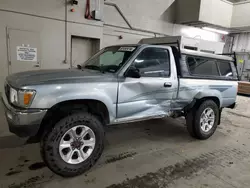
x,y
22,98
13,96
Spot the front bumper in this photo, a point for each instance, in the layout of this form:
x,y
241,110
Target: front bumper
x,y
23,123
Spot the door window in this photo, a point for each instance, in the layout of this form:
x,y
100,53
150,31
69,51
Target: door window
x,y
153,62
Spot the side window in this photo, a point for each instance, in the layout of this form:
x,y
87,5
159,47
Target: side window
x,y
225,68
202,66
153,62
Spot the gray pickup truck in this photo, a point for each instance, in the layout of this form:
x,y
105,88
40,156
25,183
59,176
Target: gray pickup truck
x,y
68,109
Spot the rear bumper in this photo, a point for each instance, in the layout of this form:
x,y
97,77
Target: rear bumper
x,y
23,123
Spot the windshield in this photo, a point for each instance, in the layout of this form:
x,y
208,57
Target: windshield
x,y
110,59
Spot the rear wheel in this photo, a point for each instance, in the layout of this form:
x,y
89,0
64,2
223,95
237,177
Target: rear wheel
x,y
202,121
74,144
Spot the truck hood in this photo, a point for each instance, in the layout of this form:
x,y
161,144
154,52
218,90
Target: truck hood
x,y
56,76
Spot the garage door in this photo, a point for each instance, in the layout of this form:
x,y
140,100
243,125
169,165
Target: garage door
x,y
83,49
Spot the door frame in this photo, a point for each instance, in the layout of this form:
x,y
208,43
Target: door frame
x,y
97,40
8,29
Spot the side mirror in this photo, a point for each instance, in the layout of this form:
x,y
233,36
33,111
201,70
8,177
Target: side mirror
x,y
132,72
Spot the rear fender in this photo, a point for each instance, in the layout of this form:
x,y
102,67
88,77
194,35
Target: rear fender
x,y
210,93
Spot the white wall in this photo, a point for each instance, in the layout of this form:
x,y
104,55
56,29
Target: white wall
x,y
111,36
241,42
47,17
141,14
194,32
217,12
187,11
49,8
241,15
143,9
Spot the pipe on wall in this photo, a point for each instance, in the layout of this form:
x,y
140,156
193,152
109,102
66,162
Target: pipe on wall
x,y
120,12
66,33
127,22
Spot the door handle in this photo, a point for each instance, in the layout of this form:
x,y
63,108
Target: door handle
x,y
167,84
36,65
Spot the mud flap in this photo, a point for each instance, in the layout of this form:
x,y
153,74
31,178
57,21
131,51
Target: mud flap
x,y
219,116
190,106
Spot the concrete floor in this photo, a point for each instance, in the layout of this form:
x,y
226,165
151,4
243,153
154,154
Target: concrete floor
x,y
152,154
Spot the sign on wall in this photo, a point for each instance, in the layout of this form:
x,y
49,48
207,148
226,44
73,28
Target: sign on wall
x,y
26,53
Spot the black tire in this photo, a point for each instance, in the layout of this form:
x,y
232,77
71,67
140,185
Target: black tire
x,y
51,139
193,120
190,123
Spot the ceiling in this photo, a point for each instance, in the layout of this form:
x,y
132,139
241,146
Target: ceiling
x,y
201,24
236,1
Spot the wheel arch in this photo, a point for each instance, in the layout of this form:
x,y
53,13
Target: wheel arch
x,y
215,99
209,94
196,102
62,109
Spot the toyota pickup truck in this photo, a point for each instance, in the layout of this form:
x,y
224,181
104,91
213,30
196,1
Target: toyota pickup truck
x,y
68,109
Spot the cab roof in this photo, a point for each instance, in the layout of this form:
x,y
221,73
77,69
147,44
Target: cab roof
x,y
185,51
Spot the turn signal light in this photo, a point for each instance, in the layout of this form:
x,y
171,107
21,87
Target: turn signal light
x,y
27,98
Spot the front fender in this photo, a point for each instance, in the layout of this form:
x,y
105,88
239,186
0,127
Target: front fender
x,y
48,96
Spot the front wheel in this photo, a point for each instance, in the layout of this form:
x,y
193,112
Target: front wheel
x,y
204,120
74,144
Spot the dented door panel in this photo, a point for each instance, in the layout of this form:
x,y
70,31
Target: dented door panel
x,y
144,97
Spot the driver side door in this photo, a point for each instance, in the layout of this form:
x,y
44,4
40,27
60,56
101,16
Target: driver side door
x,y
151,94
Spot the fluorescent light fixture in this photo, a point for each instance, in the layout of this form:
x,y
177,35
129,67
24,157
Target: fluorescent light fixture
x,y
139,61
215,30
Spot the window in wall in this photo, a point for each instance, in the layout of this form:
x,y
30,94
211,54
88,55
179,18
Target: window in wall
x,y
153,62
202,66
225,69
